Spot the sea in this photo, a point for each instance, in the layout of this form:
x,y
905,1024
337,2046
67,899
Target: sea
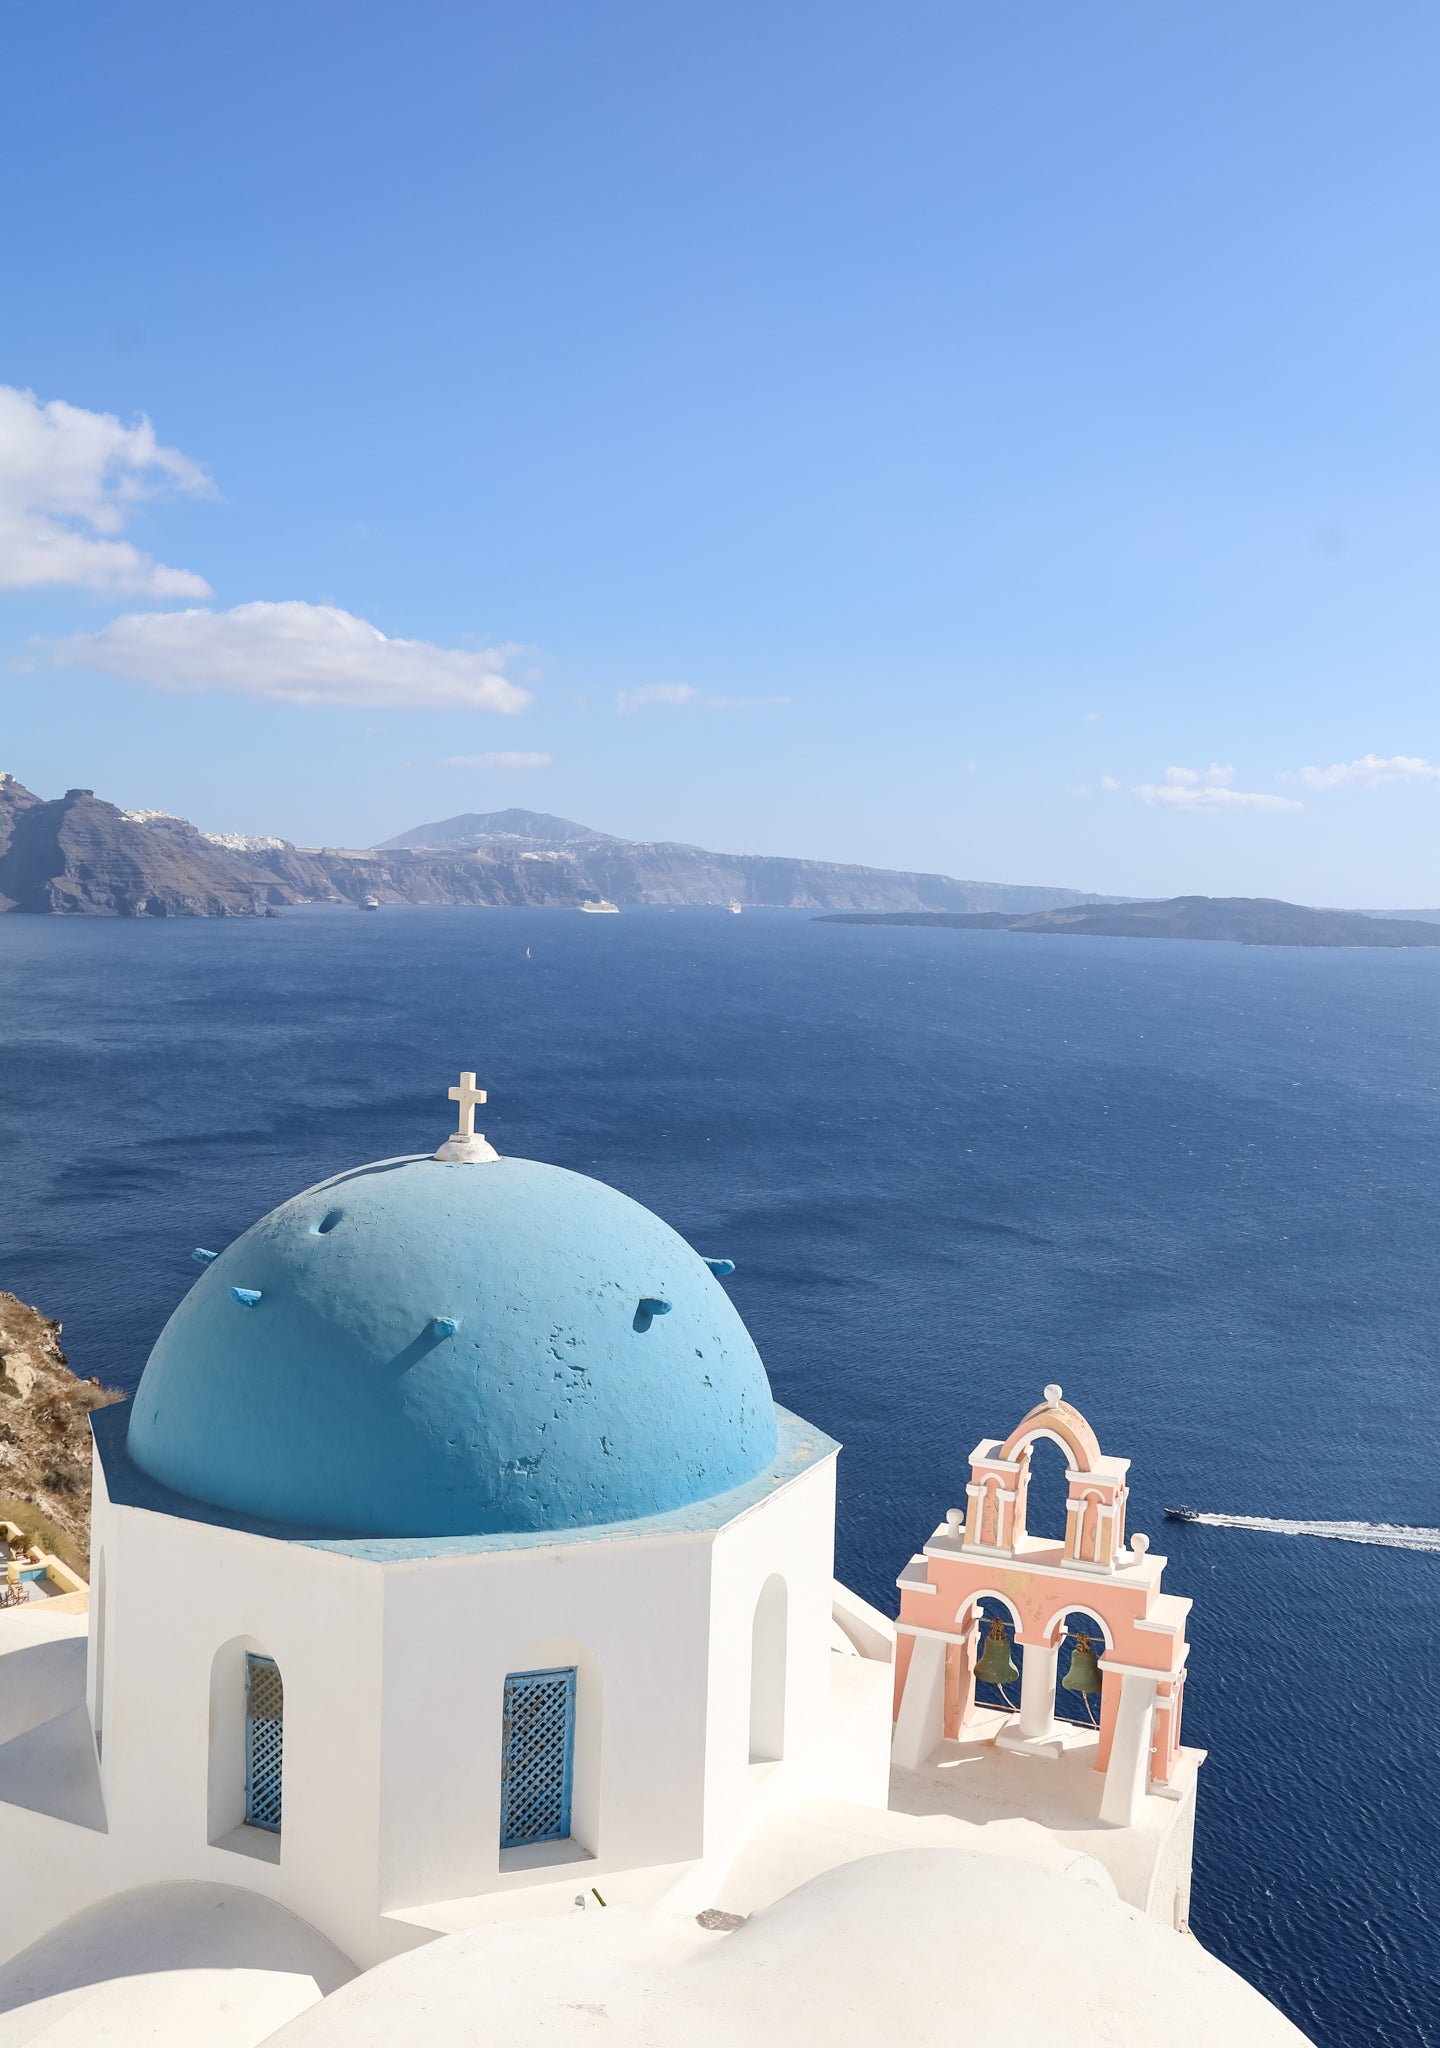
x,y
1196,1184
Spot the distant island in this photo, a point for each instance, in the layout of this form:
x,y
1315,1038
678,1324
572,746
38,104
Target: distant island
x,y
1243,920
77,855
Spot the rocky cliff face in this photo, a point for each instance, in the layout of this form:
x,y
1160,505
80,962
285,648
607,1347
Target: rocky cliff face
x,y
78,854
44,1430
82,856
14,799
667,871
327,874
637,873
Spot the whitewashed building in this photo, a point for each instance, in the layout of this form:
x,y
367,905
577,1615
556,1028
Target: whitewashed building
x,y
453,1568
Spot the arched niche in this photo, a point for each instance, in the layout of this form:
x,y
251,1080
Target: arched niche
x,y
768,1656
561,1653
1044,1487
987,1604
1063,1626
229,1743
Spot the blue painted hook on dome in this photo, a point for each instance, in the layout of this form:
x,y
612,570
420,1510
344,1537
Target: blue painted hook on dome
x,y
444,1326
721,1268
202,1257
246,1296
650,1306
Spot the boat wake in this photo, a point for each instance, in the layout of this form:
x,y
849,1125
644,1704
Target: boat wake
x,y
1389,1535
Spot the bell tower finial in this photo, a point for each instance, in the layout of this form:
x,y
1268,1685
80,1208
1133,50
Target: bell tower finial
x,y
467,1145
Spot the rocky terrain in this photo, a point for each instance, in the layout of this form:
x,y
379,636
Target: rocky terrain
x,y
1244,920
591,863
79,855
45,1433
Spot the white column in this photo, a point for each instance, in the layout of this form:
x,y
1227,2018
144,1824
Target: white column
x,y
1128,1773
920,1724
1037,1688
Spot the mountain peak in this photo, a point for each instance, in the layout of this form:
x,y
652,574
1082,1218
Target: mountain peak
x,y
481,828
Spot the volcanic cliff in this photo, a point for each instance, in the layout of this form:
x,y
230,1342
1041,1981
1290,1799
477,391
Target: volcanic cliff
x,y
82,856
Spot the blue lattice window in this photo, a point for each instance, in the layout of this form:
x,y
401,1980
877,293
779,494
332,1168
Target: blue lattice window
x,y
537,1757
264,1741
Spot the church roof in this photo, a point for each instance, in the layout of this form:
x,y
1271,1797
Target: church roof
x,y
171,1965
457,1345
921,1946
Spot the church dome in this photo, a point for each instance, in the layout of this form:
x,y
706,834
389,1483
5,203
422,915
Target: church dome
x,y
455,1346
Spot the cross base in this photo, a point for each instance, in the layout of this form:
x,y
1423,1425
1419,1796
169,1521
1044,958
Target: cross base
x,y
472,1151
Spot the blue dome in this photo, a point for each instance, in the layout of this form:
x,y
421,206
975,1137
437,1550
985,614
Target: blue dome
x,y
442,1348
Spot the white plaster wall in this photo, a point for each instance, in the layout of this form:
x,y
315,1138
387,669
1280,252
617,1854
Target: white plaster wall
x,y
394,1678
175,1593
660,1629
631,1613
792,1534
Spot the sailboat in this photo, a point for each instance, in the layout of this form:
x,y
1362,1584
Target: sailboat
x,y
736,906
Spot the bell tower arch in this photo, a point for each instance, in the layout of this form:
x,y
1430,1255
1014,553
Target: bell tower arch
x,y
1128,1643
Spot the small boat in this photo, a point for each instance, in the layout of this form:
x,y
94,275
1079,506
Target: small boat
x,y
736,906
369,902
527,952
600,906
1183,1514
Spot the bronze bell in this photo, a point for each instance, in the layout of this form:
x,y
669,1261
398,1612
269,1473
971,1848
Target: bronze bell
x,y
996,1665
1084,1672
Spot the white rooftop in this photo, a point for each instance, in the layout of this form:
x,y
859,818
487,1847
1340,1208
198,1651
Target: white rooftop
x,y
897,1946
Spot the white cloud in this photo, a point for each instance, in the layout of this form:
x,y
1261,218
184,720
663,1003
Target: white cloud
x,y
1207,789
1213,799
69,482
1368,772
1108,782
1091,718
656,693
293,653
1212,777
507,763
628,702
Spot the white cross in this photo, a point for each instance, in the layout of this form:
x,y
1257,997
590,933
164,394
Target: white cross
x,y
469,1097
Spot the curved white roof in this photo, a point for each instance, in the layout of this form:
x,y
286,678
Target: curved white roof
x,y
908,1947
172,1966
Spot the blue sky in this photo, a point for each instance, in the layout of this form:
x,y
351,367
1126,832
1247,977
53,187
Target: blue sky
x,y
993,439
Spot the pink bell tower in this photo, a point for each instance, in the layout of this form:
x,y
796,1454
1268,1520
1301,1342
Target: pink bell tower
x,y
987,1552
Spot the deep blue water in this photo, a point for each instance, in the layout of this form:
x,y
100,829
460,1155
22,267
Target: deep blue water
x,y
1198,1184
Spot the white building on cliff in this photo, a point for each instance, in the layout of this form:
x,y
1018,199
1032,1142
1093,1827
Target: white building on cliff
x,y
464,1663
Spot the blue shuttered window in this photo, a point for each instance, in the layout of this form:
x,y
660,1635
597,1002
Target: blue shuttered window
x,y
537,1757
264,1741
